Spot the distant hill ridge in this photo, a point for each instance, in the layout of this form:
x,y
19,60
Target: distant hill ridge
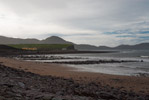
x,y
49,40
58,40
141,46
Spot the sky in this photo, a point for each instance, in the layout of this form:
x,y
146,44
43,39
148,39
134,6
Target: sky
x,y
95,22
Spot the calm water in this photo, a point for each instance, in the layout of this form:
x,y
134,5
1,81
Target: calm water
x,y
130,68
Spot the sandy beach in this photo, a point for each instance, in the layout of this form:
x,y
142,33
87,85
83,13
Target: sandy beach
x,y
129,83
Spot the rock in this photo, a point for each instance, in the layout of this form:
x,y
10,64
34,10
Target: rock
x,y
57,98
18,98
140,98
18,95
22,85
19,85
2,98
59,93
107,96
11,99
39,96
7,84
47,97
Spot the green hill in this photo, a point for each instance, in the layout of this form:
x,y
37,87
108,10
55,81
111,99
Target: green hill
x,y
43,46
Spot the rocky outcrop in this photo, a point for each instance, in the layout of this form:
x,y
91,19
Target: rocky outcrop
x,y
19,85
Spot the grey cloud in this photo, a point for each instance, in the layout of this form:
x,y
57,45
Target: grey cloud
x,y
108,17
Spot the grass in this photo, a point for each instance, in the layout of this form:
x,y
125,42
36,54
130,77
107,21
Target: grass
x,y
41,46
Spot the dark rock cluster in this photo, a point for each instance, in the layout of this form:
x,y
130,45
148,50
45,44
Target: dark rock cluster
x,y
93,62
43,57
19,85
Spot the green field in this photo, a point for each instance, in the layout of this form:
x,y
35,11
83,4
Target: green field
x,y
43,46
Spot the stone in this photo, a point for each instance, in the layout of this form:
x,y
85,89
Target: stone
x,y
107,96
18,95
19,85
57,98
22,85
47,97
2,98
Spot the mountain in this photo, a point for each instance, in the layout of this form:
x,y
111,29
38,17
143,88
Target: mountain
x,y
58,40
8,40
5,47
49,40
144,46
83,47
104,48
55,40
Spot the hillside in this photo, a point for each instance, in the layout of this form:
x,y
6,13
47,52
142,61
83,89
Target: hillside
x,y
43,47
54,40
142,46
85,47
136,47
8,40
81,47
49,40
5,47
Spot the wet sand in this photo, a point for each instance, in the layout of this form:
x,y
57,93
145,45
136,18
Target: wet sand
x,y
129,83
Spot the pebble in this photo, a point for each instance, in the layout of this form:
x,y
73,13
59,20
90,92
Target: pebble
x,y
22,85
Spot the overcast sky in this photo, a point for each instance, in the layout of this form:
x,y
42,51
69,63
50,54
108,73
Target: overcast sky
x,y
96,22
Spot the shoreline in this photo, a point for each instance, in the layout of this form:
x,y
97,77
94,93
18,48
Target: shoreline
x,y
17,84
7,53
129,83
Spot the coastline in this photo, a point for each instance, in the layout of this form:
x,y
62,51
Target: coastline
x,y
9,52
129,83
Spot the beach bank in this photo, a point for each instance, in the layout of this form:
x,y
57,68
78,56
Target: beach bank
x,y
129,83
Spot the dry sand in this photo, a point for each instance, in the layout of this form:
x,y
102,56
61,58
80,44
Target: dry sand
x,y
137,84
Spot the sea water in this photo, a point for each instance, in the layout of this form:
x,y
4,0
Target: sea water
x,y
125,68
